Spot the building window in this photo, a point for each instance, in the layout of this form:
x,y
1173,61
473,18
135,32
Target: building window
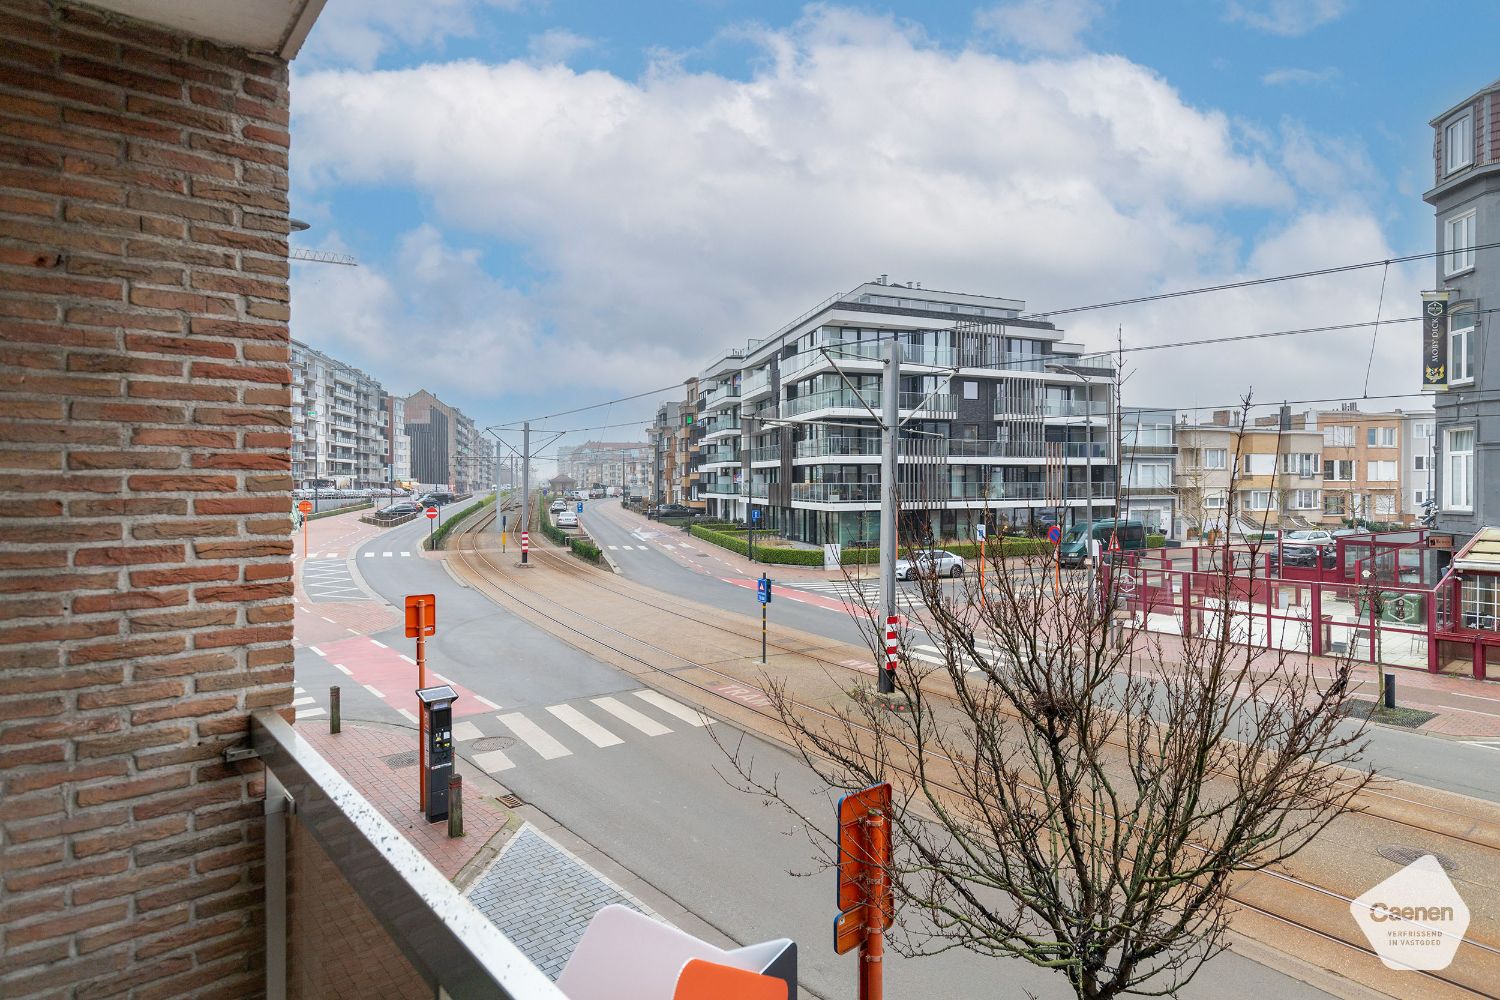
x,y
1260,465
1214,501
1458,144
1338,470
1333,503
1481,602
1385,503
1461,354
1305,500
1380,437
1419,497
1258,500
1458,484
1216,458
1301,464
1380,472
1460,242
971,390
1339,437
1421,429
1417,462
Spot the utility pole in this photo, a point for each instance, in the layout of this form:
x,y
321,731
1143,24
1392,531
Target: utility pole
x,y
525,487
889,495
499,518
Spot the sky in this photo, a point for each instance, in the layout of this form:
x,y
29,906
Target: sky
x,y
555,204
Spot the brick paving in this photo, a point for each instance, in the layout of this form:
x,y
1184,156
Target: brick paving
x,y
357,754
542,898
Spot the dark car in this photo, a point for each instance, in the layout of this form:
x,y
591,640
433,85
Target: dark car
x,y
1304,556
673,510
435,499
398,509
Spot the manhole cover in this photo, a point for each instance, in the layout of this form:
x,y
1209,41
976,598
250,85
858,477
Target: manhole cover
x,y
405,758
1406,855
511,801
486,743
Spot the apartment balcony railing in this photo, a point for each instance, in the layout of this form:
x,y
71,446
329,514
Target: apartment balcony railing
x,y
1010,407
834,446
759,491
836,492
843,399
768,453
721,426
754,385
720,456
915,493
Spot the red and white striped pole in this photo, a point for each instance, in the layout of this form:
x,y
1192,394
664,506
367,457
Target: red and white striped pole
x,y
525,545
892,645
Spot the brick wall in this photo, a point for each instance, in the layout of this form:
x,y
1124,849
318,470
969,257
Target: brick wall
x,y
144,535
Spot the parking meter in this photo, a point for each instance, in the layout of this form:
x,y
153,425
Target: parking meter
x,y
437,710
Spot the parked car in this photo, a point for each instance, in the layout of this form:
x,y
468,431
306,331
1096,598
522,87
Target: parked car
x,y
673,510
558,506
1304,556
937,562
435,499
1309,536
1129,535
399,509
567,519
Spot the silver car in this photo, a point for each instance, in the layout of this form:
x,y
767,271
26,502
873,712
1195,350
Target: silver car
x,y
930,562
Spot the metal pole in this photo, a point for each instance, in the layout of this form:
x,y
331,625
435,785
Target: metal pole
x,y
455,805
763,626
334,715
872,955
1088,466
891,386
525,485
421,719
275,880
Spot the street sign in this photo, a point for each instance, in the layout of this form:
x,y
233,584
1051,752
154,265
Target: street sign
x,y
421,615
856,861
755,514
1054,534
432,513
979,531
849,930
305,506
763,590
580,506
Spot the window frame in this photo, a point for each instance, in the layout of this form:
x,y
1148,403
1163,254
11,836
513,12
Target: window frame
x,y
1223,463
1457,261
1465,374
1449,454
1451,165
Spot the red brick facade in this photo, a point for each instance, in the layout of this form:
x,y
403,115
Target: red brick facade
x,y
144,472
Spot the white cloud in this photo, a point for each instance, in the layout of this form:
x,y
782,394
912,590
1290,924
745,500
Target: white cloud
x,y
1050,26
669,218
1291,76
1289,18
556,45
357,32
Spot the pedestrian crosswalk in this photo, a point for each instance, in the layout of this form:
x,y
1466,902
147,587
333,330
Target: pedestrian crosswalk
x,y
306,705
839,588
385,555
928,653
559,731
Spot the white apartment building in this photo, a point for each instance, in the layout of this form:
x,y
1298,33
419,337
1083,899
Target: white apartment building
x,y
992,429
340,422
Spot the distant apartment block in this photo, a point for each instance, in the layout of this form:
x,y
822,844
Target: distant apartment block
x,y
1377,466
626,464
1255,477
1148,463
341,422
446,446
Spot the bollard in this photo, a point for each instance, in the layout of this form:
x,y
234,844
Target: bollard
x,y
333,709
455,805
1390,690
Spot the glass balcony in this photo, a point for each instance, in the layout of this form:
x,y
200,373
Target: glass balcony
x,y
836,492
768,453
837,445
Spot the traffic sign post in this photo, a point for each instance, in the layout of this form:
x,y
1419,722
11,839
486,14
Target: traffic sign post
x,y
305,507
421,621
892,646
525,545
754,520
432,513
1054,535
763,595
864,887
981,530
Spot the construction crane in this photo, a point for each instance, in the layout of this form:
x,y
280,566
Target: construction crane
x,y
317,256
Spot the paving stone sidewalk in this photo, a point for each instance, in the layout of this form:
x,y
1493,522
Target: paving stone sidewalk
x,y
543,898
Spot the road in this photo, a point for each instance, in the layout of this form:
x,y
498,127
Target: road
x,y
1450,765
648,788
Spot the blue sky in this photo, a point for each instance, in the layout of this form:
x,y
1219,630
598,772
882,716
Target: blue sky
x,y
559,203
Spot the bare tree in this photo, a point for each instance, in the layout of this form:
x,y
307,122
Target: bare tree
x,y
1075,791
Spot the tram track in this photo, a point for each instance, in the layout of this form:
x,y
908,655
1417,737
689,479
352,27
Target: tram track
x,y
1482,982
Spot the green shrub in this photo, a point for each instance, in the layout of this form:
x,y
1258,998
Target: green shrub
x,y
435,540
585,549
1156,541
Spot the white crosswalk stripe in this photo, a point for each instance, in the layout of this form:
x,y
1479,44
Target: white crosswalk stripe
x,y
494,761
631,717
463,731
613,548
584,726
368,554
308,713
534,736
691,716
309,700
408,715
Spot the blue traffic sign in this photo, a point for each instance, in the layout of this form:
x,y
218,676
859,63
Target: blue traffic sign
x,y
580,506
763,590
755,514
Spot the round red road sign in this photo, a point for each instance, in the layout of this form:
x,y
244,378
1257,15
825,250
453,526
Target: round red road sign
x,y
305,506
1054,534
431,512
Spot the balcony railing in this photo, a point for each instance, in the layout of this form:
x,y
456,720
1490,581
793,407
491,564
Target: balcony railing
x,y
836,446
753,384
915,493
843,399
768,453
836,492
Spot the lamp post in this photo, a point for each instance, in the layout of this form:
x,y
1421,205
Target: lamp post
x,y
1088,464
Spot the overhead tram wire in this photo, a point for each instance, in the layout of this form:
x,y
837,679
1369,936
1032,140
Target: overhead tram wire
x,y
512,425
1248,283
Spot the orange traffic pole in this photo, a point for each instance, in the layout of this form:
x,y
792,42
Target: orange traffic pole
x,y
872,954
422,723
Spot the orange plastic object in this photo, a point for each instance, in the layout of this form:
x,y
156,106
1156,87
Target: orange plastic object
x,y
702,980
421,615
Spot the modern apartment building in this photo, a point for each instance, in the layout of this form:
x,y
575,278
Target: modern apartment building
x,y
398,444
340,422
447,447
1001,420
1362,465
1148,460
626,464
1466,202
1261,476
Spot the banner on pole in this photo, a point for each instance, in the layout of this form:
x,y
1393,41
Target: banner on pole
x,y
1434,341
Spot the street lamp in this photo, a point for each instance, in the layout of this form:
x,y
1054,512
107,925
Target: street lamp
x,y
1077,371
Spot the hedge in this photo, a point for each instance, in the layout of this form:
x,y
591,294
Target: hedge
x,y
765,554
583,548
435,540
1011,547
1156,541
340,510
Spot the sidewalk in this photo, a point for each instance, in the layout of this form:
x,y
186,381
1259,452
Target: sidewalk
x,y
334,613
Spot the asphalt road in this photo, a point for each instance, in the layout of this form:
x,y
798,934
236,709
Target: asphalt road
x,y
667,807
1450,765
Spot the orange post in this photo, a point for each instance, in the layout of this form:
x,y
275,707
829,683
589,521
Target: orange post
x,y
872,955
421,621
